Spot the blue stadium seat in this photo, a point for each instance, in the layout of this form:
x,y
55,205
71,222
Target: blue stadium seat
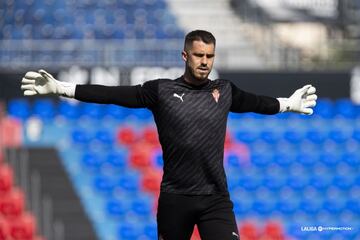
x,y
274,182
296,232
346,234
288,206
264,206
250,182
92,110
344,181
353,205
69,110
283,159
142,114
117,160
233,182
129,182
297,182
128,231
345,108
293,136
261,160
81,137
159,161
351,158
310,207
19,108
92,162
321,182
142,206
316,136
356,134
324,108
339,135
233,160
246,136
150,230
104,184
270,136
116,208
330,159
334,206
235,116
242,207
105,137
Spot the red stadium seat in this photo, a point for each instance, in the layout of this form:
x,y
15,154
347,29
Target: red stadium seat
x,y
126,136
12,205
140,156
6,179
4,229
228,140
273,231
151,181
23,227
150,135
248,231
10,132
139,160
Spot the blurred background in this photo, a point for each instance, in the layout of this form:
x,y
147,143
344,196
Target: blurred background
x,y
71,171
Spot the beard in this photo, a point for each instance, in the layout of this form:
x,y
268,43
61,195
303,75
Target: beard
x,y
198,75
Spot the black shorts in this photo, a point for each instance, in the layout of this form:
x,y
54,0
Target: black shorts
x,y
213,214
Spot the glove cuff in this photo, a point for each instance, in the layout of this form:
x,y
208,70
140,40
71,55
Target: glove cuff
x,y
284,104
66,89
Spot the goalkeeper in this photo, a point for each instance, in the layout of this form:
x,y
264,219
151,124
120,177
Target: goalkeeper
x,y
190,113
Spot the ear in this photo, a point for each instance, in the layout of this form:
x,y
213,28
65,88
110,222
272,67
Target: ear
x,y
184,55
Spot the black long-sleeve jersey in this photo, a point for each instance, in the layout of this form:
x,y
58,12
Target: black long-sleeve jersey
x,y
191,123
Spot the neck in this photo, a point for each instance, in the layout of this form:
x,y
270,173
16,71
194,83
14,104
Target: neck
x,y
191,80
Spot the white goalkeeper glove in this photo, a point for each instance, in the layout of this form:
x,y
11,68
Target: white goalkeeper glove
x,y
301,101
44,83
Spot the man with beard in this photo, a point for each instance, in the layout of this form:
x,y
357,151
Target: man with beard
x,y
190,113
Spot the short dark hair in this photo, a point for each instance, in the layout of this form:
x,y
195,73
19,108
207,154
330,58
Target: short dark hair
x,y
199,35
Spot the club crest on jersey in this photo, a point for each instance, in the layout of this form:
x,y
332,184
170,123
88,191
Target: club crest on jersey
x,y
216,94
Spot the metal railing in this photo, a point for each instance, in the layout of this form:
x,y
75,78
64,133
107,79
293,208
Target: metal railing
x,y
38,202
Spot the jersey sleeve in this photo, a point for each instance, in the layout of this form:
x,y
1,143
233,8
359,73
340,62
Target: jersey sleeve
x,y
127,96
243,101
148,94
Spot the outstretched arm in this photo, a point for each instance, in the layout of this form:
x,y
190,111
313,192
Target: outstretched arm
x,y
301,101
243,101
39,83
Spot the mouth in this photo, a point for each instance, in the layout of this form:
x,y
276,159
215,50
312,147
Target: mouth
x,y
203,69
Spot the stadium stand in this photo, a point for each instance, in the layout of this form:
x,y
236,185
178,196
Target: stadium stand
x,y
252,34
280,179
78,31
219,18
121,32
16,221
316,34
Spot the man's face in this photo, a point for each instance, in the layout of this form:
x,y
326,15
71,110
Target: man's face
x,y
199,59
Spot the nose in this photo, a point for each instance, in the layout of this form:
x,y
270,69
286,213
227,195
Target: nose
x,y
204,61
